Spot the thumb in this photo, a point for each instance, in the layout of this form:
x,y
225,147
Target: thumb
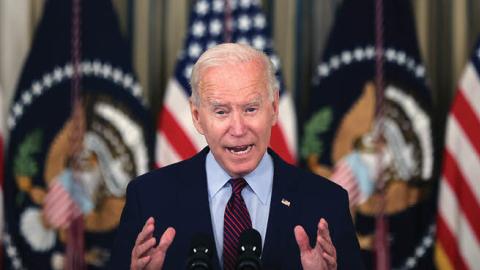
x,y
302,239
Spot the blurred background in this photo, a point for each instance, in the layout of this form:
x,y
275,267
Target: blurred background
x,y
309,37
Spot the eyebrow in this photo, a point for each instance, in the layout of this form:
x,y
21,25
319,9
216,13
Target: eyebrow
x,y
216,103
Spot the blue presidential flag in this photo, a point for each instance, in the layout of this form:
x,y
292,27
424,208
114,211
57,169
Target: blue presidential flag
x,y
70,158
340,137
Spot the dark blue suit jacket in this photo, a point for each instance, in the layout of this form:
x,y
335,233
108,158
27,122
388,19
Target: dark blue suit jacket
x,y
177,196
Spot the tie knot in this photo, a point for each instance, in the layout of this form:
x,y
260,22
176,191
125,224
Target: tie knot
x,y
237,185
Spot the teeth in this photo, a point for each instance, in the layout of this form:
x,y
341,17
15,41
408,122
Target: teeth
x,y
237,151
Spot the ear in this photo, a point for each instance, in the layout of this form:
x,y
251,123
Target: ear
x,y
275,104
196,117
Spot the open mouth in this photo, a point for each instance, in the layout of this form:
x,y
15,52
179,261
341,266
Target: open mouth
x,y
240,150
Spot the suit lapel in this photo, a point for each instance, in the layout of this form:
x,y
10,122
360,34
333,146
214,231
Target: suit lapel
x,y
194,201
282,215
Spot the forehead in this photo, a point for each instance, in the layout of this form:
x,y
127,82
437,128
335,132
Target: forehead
x,y
245,79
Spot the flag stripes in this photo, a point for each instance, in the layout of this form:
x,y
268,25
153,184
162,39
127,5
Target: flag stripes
x,y
458,222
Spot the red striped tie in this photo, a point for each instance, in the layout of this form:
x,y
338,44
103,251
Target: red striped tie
x,y
236,220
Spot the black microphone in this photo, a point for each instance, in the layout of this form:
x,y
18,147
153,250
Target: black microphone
x,y
200,252
249,250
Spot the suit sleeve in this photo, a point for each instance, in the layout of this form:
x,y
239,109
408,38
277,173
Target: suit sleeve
x,y
128,229
348,250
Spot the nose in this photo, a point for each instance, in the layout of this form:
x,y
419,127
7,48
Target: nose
x,y
237,125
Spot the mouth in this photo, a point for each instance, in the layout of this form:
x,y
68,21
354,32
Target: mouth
x,y
240,150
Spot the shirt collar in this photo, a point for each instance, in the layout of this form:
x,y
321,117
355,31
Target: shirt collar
x,y
259,180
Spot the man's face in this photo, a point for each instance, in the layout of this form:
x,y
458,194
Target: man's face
x,y
235,115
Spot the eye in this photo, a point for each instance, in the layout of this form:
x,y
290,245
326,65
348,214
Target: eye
x,y
251,109
221,112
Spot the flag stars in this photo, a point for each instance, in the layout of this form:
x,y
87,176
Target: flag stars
x,y
370,52
97,67
334,62
420,71
127,81
11,251
211,44
17,109
401,58
58,74
358,54
137,90
275,62
68,70
27,97
107,71
233,4
259,21
218,6
410,63
323,70
37,88
215,27
194,50
390,54
245,3
411,262
244,23
188,71
198,29
346,57
259,43
243,40
47,80
87,67
11,122
117,75
201,7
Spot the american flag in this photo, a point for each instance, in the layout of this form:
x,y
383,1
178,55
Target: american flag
x,y
60,208
458,220
213,22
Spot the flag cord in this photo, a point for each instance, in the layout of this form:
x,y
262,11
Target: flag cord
x,y
75,245
382,249
227,34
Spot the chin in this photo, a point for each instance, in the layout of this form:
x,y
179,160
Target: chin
x,y
240,170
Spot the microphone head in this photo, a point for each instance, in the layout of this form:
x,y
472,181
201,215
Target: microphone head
x,y
200,252
250,241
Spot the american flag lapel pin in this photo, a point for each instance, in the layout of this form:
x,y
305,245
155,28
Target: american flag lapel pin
x,y
286,202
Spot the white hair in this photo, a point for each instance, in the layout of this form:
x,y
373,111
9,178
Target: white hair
x,y
231,53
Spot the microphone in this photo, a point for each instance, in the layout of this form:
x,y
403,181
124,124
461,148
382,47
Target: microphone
x,y
200,252
249,250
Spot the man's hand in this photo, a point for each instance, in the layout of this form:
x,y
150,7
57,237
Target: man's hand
x,y
321,257
145,255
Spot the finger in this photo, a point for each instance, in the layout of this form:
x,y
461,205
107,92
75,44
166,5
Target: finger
x,y
141,263
331,260
323,229
166,239
147,231
302,239
145,247
326,246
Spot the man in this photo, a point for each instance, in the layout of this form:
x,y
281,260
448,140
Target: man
x,y
234,104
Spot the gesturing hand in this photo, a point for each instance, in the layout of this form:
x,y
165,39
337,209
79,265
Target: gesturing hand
x,y
321,257
145,255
